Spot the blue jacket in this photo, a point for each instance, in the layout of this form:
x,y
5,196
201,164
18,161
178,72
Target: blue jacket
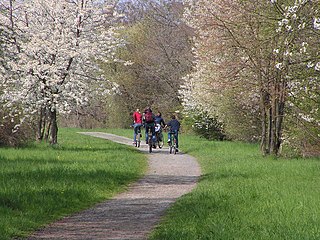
x,y
174,125
160,121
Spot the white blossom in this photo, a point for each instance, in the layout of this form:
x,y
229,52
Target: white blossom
x,y
56,43
279,66
316,23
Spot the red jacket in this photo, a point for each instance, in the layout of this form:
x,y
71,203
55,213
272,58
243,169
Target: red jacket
x,y
137,117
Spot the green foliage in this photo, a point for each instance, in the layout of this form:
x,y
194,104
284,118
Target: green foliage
x,y
118,114
207,126
301,138
40,184
240,117
160,52
242,195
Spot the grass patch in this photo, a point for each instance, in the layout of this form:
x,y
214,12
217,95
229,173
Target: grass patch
x,y
242,195
40,183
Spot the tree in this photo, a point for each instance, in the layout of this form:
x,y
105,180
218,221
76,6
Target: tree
x,y
159,48
298,59
238,57
53,47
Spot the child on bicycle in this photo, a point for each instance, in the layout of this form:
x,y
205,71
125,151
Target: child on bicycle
x,y
137,123
160,124
149,119
160,120
174,125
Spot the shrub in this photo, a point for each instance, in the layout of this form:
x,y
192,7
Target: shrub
x,y
13,135
207,126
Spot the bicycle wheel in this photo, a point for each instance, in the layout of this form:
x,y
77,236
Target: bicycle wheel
x,y
138,140
170,145
160,140
175,145
150,143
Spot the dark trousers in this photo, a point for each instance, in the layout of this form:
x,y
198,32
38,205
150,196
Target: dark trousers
x,y
175,133
150,126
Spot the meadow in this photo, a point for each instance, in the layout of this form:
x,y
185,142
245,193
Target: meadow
x,y
40,183
243,195
240,195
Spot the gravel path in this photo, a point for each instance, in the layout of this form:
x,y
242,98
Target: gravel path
x,y
132,214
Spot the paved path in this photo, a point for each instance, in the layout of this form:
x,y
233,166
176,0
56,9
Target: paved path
x,y
132,214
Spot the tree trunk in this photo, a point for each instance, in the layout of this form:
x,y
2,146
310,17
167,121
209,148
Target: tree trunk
x,y
53,127
47,130
269,128
272,103
42,121
276,120
263,107
280,116
273,118
39,127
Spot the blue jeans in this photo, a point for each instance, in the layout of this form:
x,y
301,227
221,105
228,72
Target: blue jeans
x,y
175,132
136,126
147,126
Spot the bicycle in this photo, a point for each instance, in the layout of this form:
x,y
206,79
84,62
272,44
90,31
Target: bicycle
x,y
138,140
150,140
173,143
159,135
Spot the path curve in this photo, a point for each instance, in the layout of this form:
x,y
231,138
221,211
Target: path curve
x,y
134,213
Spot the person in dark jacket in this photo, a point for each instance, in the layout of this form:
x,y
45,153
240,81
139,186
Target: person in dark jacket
x,y
160,120
160,124
149,121
174,125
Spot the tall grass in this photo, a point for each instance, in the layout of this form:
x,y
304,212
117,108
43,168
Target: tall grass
x,y
39,183
242,195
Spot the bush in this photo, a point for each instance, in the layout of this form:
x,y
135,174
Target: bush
x,y
13,136
207,126
301,138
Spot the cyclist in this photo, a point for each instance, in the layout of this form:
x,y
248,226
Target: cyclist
x,y
137,123
149,121
174,125
160,123
160,120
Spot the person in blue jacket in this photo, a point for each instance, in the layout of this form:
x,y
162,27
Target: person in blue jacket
x,y
174,125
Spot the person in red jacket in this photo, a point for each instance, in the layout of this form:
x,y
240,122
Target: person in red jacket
x,y
137,123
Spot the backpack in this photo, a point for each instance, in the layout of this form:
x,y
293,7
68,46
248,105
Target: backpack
x,y
149,117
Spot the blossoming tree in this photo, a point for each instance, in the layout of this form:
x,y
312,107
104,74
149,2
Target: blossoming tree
x,y
52,50
265,54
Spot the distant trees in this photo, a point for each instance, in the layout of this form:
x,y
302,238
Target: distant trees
x,y
256,59
159,47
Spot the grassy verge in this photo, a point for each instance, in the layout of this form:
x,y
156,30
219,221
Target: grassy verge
x,y
39,184
242,195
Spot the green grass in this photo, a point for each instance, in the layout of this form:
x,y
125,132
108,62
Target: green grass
x,y
39,183
242,195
